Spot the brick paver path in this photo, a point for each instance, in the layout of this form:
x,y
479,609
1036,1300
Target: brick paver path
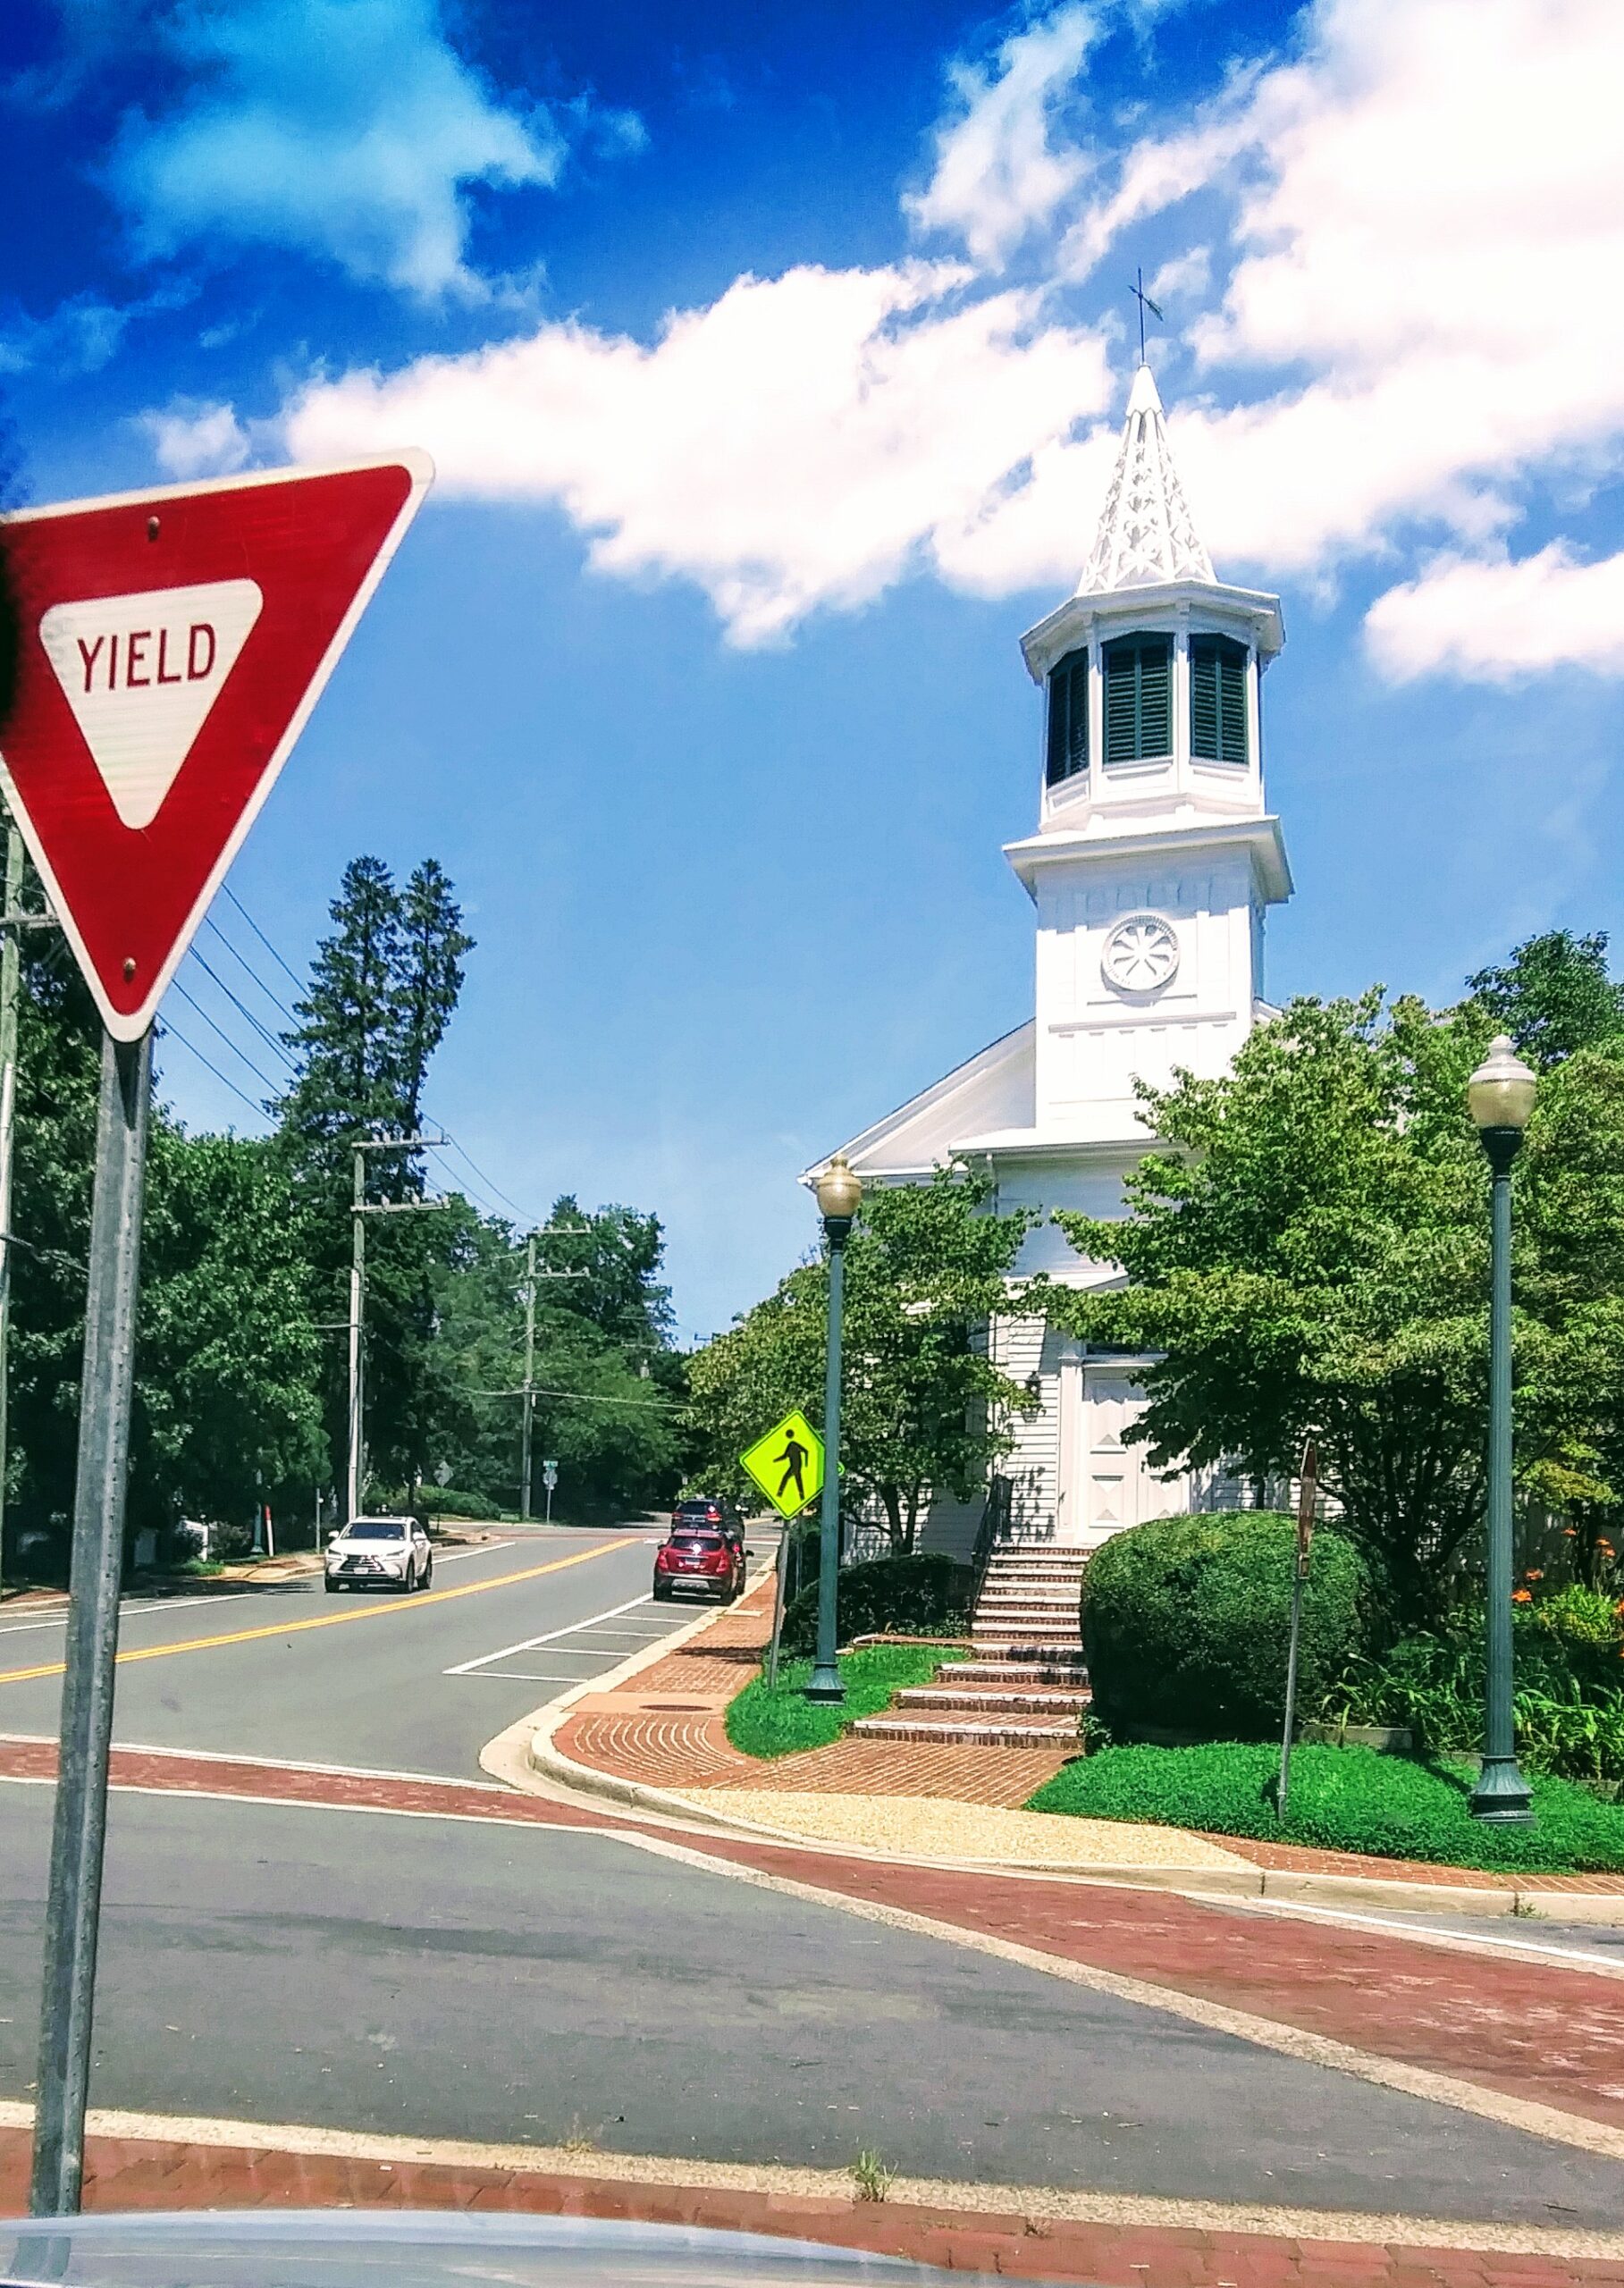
x,y
682,1745
1128,2251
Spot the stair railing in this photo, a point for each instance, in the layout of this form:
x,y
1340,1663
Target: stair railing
x,y
994,1526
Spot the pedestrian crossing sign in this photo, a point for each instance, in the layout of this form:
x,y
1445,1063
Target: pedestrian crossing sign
x,y
788,1464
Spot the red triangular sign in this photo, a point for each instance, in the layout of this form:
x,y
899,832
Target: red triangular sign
x,y
170,648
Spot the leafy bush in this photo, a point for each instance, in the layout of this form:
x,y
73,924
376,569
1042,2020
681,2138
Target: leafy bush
x,y
1186,1623
904,1596
1343,1799
777,1723
1568,1669
447,1502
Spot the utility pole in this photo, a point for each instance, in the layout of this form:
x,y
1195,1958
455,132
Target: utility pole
x,y
357,1288
359,1211
12,921
523,1495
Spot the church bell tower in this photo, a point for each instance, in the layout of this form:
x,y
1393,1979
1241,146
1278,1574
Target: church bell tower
x,y
1156,858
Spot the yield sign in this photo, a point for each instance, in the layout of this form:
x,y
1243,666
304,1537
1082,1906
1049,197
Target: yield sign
x,y
170,648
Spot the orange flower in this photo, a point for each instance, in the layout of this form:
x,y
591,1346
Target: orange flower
x,y
1522,1596
1534,1574
1569,1532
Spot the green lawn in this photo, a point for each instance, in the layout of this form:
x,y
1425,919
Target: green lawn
x,y
1342,1799
777,1723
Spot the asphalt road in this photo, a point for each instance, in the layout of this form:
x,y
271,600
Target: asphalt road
x,y
440,1978
453,1978
288,1671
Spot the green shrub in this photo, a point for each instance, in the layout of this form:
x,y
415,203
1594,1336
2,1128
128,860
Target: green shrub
x,y
1568,1708
778,1723
1343,1799
447,1501
902,1596
1186,1623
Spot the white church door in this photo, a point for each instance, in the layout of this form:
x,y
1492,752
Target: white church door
x,y
1116,1487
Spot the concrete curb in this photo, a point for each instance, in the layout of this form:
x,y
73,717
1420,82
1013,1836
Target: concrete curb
x,y
542,1759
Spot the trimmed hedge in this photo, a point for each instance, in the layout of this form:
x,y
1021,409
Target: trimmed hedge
x,y
1343,1799
1186,1623
904,1596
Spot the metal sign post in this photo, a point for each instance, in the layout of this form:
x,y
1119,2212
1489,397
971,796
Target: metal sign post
x,y
73,1900
550,1479
1307,1491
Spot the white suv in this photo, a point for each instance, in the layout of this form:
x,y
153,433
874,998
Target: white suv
x,y
379,1552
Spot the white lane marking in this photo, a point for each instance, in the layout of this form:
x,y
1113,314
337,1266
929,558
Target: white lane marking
x,y
531,1644
522,1676
126,1612
1467,1939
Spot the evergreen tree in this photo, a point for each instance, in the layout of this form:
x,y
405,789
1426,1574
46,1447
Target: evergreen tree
x,y
384,988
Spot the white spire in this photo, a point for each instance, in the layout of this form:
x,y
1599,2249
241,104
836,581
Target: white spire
x,y
1145,530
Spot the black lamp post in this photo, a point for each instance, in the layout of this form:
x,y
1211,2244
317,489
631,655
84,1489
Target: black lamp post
x,y
839,1196
1501,1097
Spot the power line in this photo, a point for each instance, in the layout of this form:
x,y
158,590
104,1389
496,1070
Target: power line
x,y
243,1009
587,1398
215,1026
260,934
464,1155
170,1026
242,960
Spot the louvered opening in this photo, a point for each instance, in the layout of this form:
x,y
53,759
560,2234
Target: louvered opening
x,y
1138,698
1068,718
1217,699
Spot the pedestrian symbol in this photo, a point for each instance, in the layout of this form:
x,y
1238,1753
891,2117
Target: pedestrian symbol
x,y
788,1464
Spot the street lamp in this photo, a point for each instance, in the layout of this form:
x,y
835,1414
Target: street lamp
x,y
1500,1095
839,1196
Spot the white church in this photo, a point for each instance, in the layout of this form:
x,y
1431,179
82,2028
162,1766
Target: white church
x,y
1151,872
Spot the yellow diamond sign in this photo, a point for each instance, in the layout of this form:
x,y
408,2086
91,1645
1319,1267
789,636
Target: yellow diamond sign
x,y
788,1464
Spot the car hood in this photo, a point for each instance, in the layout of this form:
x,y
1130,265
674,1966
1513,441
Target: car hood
x,y
371,2248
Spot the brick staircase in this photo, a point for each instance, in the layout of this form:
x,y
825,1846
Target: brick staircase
x,y
1024,1685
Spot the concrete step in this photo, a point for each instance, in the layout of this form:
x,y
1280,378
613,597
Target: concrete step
x,y
1018,1617
1030,1644
967,1731
1006,1600
1008,1700
1060,1667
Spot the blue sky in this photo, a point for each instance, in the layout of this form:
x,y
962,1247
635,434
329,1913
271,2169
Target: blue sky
x,y
773,362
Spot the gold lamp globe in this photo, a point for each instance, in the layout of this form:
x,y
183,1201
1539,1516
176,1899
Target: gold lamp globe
x,y
839,1192
1501,1092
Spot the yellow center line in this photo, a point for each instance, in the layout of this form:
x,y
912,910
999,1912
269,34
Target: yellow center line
x,y
327,1619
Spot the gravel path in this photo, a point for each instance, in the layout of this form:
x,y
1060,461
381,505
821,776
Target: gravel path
x,y
936,1828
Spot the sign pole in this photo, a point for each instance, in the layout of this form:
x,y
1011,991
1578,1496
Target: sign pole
x,y
73,1900
1308,1489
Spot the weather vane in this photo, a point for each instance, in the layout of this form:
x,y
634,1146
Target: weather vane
x,y
1145,303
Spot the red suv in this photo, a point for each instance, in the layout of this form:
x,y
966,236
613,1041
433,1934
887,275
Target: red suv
x,y
699,1557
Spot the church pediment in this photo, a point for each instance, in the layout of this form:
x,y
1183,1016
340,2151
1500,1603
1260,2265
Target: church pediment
x,y
991,1090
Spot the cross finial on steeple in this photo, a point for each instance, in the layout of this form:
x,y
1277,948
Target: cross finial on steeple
x,y
1145,303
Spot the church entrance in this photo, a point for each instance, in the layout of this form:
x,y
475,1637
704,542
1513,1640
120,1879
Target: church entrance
x,y
1105,1482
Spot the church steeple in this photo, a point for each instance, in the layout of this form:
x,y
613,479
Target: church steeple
x,y
1145,534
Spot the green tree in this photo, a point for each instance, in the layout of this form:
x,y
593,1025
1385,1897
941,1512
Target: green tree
x,y
384,989
228,1406
1554,996
925,1409
1309,1251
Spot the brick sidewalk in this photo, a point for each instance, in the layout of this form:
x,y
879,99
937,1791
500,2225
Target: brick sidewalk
x,y
665,1728
1127,2248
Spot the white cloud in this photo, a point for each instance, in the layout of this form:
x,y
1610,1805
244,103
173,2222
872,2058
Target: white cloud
x,y
198,440
997,173
797,443
343,129
1415,224
1496,620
